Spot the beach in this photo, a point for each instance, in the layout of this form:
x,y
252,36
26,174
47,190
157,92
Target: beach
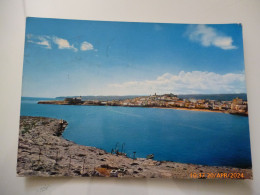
x,y
42,151
193,109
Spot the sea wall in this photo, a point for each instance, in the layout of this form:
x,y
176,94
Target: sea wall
x,y
43,152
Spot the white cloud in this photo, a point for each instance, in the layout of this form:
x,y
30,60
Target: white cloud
x,y
63,44
47,41
208,36
195,82
39,40
86,46
44,43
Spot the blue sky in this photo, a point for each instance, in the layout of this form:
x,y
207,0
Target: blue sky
x,y
76,57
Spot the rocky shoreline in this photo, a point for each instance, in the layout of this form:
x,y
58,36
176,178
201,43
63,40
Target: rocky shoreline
x,y
43,152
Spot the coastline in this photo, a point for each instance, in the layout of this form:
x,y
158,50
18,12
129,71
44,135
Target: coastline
x,y
56,102
43,152
193,109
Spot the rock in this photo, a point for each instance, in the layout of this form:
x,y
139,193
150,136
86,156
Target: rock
x,y
43,152
85,175
133,164
81,155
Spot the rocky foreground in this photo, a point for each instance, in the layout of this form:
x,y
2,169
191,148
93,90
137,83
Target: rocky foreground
x,y
43,152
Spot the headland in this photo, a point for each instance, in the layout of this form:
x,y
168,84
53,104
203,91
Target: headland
x,y
170,101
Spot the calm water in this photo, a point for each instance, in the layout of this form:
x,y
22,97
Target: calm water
x,y
173,135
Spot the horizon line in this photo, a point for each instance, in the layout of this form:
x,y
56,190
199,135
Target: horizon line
x,y
134,95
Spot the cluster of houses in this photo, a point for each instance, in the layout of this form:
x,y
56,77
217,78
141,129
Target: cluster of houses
x,y
237,105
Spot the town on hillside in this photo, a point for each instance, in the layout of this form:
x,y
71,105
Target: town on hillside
x,y
236,106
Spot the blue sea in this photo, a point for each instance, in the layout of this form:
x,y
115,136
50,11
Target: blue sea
x,y
205,138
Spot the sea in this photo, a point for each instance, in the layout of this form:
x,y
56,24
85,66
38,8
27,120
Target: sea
x,y
205,138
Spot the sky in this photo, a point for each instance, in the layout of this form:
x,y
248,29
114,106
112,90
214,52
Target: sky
x,y
79,57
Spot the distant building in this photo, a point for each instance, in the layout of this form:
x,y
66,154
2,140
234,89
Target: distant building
x,y
236,102
170,104
241,108
180,103
193,100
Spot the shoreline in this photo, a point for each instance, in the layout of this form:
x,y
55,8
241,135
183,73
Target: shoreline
x,y
42,151
56,102
193,109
